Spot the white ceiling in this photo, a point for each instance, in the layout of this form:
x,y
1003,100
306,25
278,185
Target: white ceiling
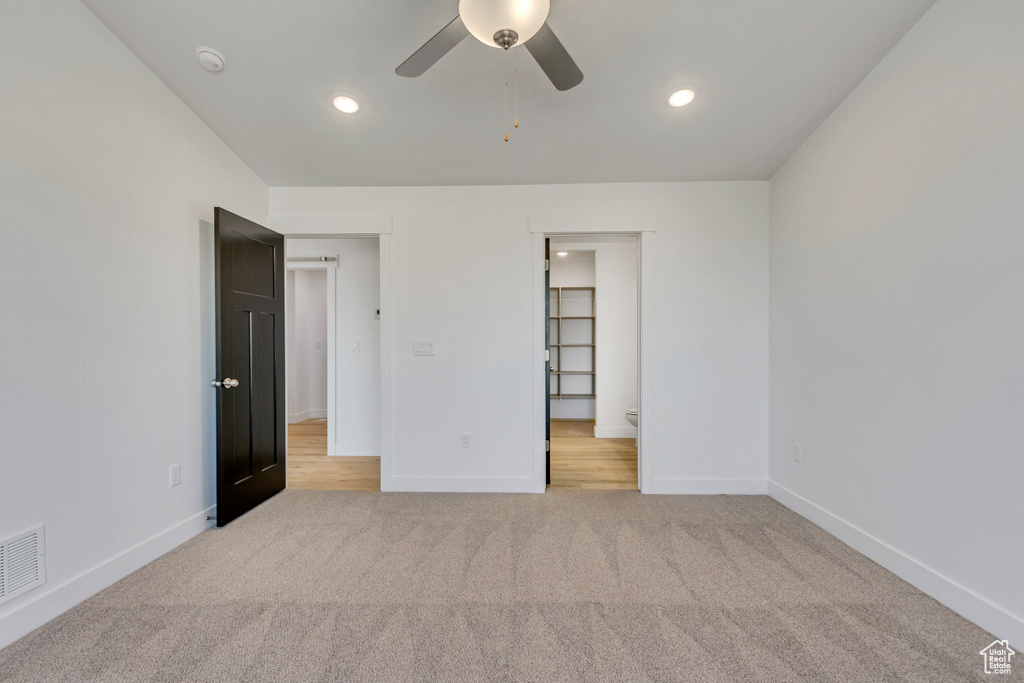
x,y
766,74
581,247
587,256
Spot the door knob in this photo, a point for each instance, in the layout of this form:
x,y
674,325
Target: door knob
x,y
227,383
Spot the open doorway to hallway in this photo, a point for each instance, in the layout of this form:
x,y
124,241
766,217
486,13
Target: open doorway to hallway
x,y
593,368
333,363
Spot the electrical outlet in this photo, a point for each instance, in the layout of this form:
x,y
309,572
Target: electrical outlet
x,y
467,440
798,453
175,475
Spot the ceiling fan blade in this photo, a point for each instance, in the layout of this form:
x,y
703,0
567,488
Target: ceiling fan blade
x,y
435,48
553,58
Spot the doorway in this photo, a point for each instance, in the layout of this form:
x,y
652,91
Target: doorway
x,y
334,369
593,343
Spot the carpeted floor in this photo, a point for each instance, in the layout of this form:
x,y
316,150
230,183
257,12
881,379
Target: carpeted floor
x,y
573,586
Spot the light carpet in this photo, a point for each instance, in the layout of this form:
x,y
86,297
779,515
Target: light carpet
x,y
566,586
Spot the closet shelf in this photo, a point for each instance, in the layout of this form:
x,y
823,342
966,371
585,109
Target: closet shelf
x,y
574,345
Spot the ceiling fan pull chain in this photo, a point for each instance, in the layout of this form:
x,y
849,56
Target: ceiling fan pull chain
x,y
506,95
516,50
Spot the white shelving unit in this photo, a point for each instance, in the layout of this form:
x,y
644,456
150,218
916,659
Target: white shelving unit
x,y
573,347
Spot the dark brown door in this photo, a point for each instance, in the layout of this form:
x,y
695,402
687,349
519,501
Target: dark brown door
x,y
547,347
250,365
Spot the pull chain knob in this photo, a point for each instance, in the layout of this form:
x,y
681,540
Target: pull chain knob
x,y
515,56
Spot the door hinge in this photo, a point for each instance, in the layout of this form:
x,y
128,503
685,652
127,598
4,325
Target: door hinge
x,y
547,446
547,356
547,264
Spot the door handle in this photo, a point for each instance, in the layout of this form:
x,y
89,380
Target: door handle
x,y
227,383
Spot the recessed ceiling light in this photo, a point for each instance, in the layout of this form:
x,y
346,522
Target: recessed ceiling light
x,y
681,98
563,253
346,104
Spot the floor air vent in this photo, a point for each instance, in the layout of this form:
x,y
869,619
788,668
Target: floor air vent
x,y
21,564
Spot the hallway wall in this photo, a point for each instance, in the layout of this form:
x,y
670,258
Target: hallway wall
x,y
357,354
306,345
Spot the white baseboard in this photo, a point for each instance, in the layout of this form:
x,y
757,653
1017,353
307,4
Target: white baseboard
x,y
615,432
463,484
961,600
295,418
25,614
572,414
708,487
354,449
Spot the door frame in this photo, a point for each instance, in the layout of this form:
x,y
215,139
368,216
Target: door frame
x,y
580,225
331,268
347,226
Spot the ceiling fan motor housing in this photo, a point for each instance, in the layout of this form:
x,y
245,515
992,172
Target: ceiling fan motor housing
x,y
506,38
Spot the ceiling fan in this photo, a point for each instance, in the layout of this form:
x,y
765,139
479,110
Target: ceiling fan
x,y
502,24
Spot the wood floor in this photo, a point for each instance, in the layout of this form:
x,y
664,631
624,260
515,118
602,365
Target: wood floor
x,y
309,466
580,461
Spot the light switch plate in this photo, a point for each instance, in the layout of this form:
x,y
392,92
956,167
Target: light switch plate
x,y
423,348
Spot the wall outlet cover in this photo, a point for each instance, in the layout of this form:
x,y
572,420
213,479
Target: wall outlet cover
x,y
175,475
467,440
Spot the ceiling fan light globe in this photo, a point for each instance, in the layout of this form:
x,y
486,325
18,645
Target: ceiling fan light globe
x,y
484,18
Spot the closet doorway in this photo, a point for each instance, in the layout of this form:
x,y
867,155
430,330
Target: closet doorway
x,y
593,369
333,363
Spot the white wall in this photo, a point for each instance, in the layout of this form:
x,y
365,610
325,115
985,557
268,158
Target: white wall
x,y
580,272
306,345
291,357
710,294
616,339
357,372
897,339
108,186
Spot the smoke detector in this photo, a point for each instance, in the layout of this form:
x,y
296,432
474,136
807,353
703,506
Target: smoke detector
x,y
210,59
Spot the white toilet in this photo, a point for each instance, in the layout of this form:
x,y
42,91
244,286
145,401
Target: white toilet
x,y
632,416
